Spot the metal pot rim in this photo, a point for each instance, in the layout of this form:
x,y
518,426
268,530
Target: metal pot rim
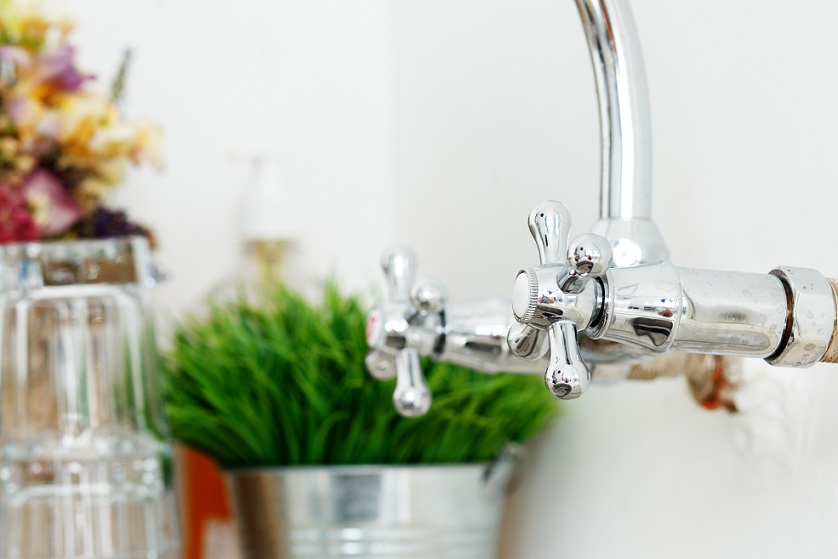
x,y
353,468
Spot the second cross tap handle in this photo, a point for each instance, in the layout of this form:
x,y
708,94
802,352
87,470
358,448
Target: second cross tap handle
x,y
404,328
558,296
399,265
550,227
567,376
412,397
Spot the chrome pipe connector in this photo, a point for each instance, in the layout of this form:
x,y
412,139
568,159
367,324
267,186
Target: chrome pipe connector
x,y
811,317
831,355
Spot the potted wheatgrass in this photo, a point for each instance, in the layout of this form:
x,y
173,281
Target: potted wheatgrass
x,y
318,462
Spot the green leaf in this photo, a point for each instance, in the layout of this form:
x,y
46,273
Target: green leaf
x,y
277,380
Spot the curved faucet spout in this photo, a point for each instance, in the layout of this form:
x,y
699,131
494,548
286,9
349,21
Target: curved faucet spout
x,y
623,109
625,131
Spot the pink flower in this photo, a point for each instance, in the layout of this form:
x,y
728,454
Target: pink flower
x,y
54,210
15,55
16,223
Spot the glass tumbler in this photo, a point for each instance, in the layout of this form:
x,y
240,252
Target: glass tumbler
x,y
85,464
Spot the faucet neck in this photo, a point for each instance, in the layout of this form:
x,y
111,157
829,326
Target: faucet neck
x,y
625,125
625,132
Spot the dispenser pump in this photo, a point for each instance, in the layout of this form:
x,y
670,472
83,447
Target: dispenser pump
x,y
268,205
269,222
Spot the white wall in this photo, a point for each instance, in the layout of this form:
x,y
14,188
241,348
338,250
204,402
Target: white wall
x,y
309,81
441,123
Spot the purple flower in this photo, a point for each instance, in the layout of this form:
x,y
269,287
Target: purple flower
x,y
104,222
57,68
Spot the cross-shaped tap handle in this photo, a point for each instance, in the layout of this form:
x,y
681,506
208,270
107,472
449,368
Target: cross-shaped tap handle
x,y
389,327
546,297
549,224
399,265
412,397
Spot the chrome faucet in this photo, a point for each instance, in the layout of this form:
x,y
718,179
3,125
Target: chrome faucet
x,y
642,302
610,296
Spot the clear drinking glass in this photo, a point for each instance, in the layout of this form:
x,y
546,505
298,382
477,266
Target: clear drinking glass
x,y
85,463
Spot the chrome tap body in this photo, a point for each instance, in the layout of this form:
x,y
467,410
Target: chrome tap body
x,y
787,317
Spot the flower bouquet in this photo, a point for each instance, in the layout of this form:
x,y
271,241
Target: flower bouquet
x,y
63,144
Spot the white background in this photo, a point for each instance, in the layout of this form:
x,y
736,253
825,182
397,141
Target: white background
x,y
440,124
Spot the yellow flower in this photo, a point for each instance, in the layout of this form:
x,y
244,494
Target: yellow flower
x,y
26,114
35,23
114,140
111,171
147,147
89,193
79,117
39,206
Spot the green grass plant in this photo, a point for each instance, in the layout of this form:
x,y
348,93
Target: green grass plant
x,y
283,383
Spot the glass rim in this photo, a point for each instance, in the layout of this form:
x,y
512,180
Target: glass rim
x,y
123,240
50,263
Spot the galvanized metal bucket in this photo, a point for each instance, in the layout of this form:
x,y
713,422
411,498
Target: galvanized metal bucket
x,y
380,512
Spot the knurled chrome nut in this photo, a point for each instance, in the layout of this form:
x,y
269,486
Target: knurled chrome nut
x,y
811,316
525,296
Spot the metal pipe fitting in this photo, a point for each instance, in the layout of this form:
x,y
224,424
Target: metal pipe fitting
x,y
811,314
831,355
